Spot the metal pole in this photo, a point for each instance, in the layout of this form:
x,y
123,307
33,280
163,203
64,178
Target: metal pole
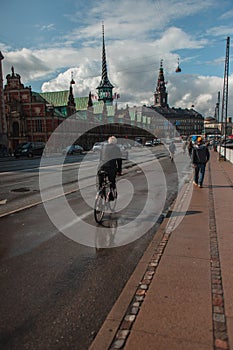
x,y
225,100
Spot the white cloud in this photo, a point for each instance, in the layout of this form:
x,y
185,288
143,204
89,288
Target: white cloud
x,y
138,34
200,91
132,19
82,86
27,63
223,30
4,47
46,27
176,39
227,15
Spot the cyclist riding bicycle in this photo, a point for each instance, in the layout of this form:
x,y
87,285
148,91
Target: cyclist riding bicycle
x,y
110,162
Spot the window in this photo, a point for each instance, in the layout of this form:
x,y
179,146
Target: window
x,y
15,129
39,127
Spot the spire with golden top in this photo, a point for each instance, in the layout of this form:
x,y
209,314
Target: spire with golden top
x,y
105,87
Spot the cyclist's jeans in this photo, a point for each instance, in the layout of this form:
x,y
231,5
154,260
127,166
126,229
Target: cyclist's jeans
x,y
111,177
199,173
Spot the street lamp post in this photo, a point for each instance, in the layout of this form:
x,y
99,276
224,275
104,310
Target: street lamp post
x,y
225,100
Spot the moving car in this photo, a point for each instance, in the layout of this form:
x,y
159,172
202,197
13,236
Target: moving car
x,y
74,149
29,149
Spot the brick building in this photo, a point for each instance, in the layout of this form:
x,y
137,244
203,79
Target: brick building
x,y
29,117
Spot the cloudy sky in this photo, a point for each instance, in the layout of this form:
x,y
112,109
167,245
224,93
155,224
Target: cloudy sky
x,y
48,41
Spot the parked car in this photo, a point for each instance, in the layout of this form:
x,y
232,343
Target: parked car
x,y
137,144
149,143
74,149
127,145
124,152
156,142
29,149
98,146
228,143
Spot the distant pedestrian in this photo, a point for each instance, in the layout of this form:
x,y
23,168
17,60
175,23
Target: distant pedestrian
x,y
191,143
184,146
172,149
215,144
200,156
190,148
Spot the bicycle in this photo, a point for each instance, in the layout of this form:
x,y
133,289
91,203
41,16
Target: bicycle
x,y
103,200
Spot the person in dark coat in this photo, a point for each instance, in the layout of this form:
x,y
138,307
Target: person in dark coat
x,y
200,156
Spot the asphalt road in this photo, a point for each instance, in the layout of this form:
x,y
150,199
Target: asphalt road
x,y
55,292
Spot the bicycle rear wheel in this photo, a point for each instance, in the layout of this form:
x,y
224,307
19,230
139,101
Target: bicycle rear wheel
x,y
112,203
99,208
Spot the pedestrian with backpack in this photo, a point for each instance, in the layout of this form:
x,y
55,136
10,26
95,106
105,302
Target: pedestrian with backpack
x,y
200,156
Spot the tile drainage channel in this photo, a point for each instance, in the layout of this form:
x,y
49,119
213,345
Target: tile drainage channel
x,y
220,337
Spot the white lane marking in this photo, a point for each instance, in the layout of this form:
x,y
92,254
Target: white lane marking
x,y
84,163
36,203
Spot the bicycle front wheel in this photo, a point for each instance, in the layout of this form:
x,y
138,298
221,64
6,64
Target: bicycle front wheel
x,y
99,208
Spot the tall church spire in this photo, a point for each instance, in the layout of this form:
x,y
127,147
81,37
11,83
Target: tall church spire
x,y
3,125
71,102
160,95
105,87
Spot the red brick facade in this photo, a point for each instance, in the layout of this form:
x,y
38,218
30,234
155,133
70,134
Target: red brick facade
x,y
28,116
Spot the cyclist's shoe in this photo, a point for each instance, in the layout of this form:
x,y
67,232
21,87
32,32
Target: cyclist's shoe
x,y
115,193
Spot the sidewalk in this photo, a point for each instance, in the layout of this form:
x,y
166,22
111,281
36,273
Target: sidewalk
x,y
180,296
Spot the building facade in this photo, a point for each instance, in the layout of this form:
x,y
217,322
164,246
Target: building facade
x,y
185,121
3,126
31,116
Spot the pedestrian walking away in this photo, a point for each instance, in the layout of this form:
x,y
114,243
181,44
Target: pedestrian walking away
x,y
184,146
190,148
200,156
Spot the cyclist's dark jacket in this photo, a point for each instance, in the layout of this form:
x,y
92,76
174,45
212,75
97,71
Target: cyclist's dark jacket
x,y
111,158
